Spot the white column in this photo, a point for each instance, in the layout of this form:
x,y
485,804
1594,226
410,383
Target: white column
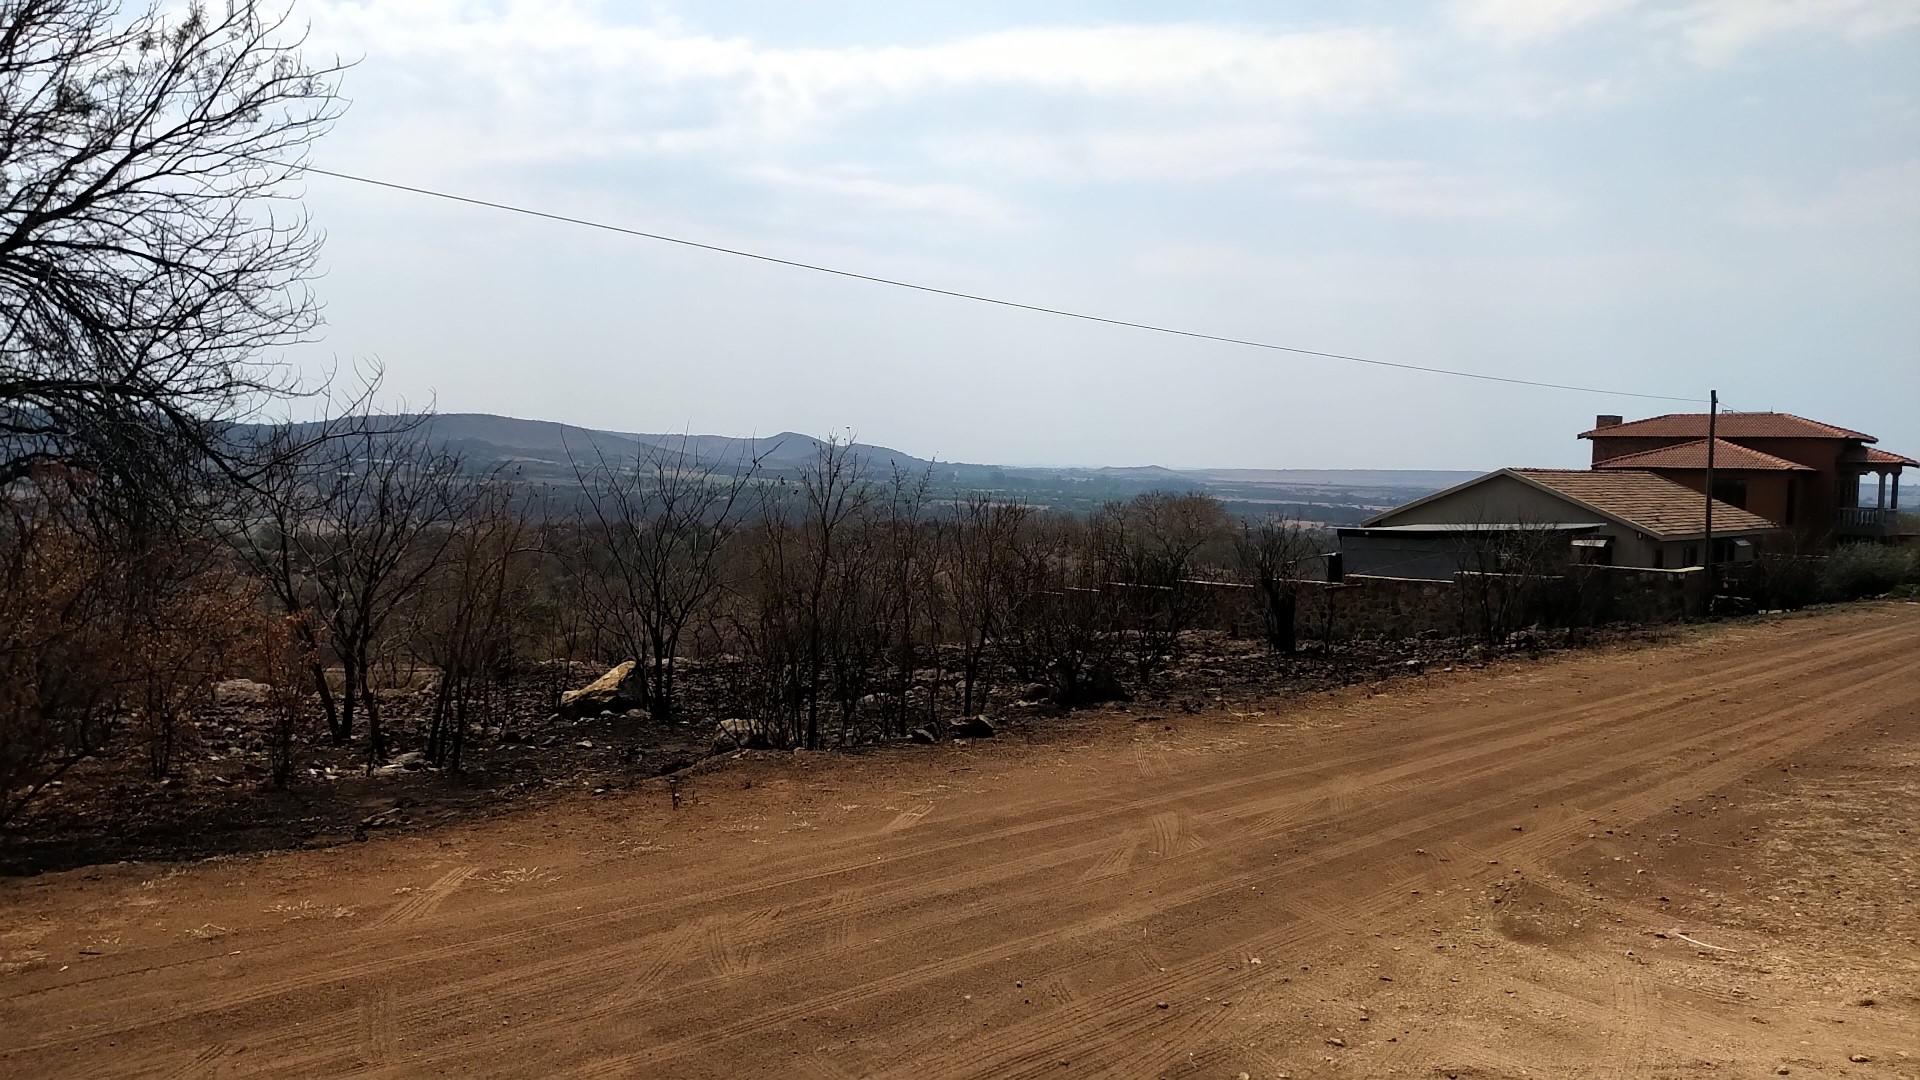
x,y
1880,501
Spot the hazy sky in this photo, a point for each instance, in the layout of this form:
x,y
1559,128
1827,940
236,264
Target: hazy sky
x,y
1649,196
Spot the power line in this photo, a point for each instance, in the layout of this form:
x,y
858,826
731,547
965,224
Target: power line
x,y
974,297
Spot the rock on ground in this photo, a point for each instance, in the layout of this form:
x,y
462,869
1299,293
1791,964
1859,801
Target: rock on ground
x,y
739,735
616,690
970,727
240,692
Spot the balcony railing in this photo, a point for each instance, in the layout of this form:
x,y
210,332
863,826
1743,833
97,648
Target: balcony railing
x,y
1866,519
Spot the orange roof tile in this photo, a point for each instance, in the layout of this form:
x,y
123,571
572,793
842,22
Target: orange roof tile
x,y
1646,500
1731,425
1874,456
1693,455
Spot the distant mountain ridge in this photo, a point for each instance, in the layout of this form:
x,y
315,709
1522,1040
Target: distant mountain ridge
x,y
484,438
546,451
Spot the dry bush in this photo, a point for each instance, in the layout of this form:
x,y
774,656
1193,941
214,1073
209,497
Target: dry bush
x,y
646,565
1066,624
188,623
1273,554
469,620
286,654
59,647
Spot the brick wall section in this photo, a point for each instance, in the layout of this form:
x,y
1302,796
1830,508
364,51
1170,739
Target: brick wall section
x,y
1364,606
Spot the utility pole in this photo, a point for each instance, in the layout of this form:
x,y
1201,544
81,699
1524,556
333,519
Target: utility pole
x,y
1713,434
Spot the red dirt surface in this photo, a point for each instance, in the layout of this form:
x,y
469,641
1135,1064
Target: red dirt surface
x,y
1696,860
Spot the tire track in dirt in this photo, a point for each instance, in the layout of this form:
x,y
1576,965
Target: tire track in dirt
x,y
1100,1005
908,818
1120,1008
205,1063
419,905
732,944
377,1039
1693,741
1174,834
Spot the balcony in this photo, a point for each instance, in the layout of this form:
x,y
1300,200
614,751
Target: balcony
x,y
1866,521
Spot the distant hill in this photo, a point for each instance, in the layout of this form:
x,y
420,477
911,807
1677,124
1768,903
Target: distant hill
x,y
547,446
545,451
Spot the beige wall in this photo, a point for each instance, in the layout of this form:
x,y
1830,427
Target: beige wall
x,y
1505,500
1502,500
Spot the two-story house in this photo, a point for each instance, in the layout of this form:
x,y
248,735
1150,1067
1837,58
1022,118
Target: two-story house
x,y
1802,474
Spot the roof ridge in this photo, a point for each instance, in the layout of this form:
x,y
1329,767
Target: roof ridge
x,y
1687,425
1734,448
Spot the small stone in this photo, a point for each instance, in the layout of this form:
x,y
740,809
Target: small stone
x,y
1859,1059
1336,1041
585,744
1159,1004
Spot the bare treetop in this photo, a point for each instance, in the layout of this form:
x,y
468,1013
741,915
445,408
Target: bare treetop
x,y
150,255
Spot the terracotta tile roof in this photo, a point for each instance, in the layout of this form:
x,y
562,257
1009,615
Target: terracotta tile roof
x,y
1731,425
1693,455
1874,456
1648,501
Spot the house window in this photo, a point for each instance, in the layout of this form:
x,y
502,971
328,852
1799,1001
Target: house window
x,y
1692,557
1659,558
1731,490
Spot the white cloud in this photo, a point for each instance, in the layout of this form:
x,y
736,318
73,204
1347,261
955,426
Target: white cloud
x,y
1198,152
523,47
1710,31
860,188
1881,197
1717,31
1516,21
1218,152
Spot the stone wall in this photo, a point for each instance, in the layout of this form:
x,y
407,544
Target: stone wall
x,y
1368,606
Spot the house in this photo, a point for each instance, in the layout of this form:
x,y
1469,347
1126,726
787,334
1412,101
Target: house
x,y
1803,474
1620,517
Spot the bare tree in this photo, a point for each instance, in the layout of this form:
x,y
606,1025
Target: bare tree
x,y
144,265
468,615
347,533
907,603
1505,573
650,565
1152,545
805,617
983,538
1272,553
285,651
59,640
834,496
1065,624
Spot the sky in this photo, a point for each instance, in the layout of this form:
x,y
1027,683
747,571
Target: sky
x,y
1652,197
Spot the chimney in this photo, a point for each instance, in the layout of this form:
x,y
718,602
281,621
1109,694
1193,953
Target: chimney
x,y
1607,420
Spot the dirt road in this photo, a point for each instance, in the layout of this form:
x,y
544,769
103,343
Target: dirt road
x,y
1692,860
